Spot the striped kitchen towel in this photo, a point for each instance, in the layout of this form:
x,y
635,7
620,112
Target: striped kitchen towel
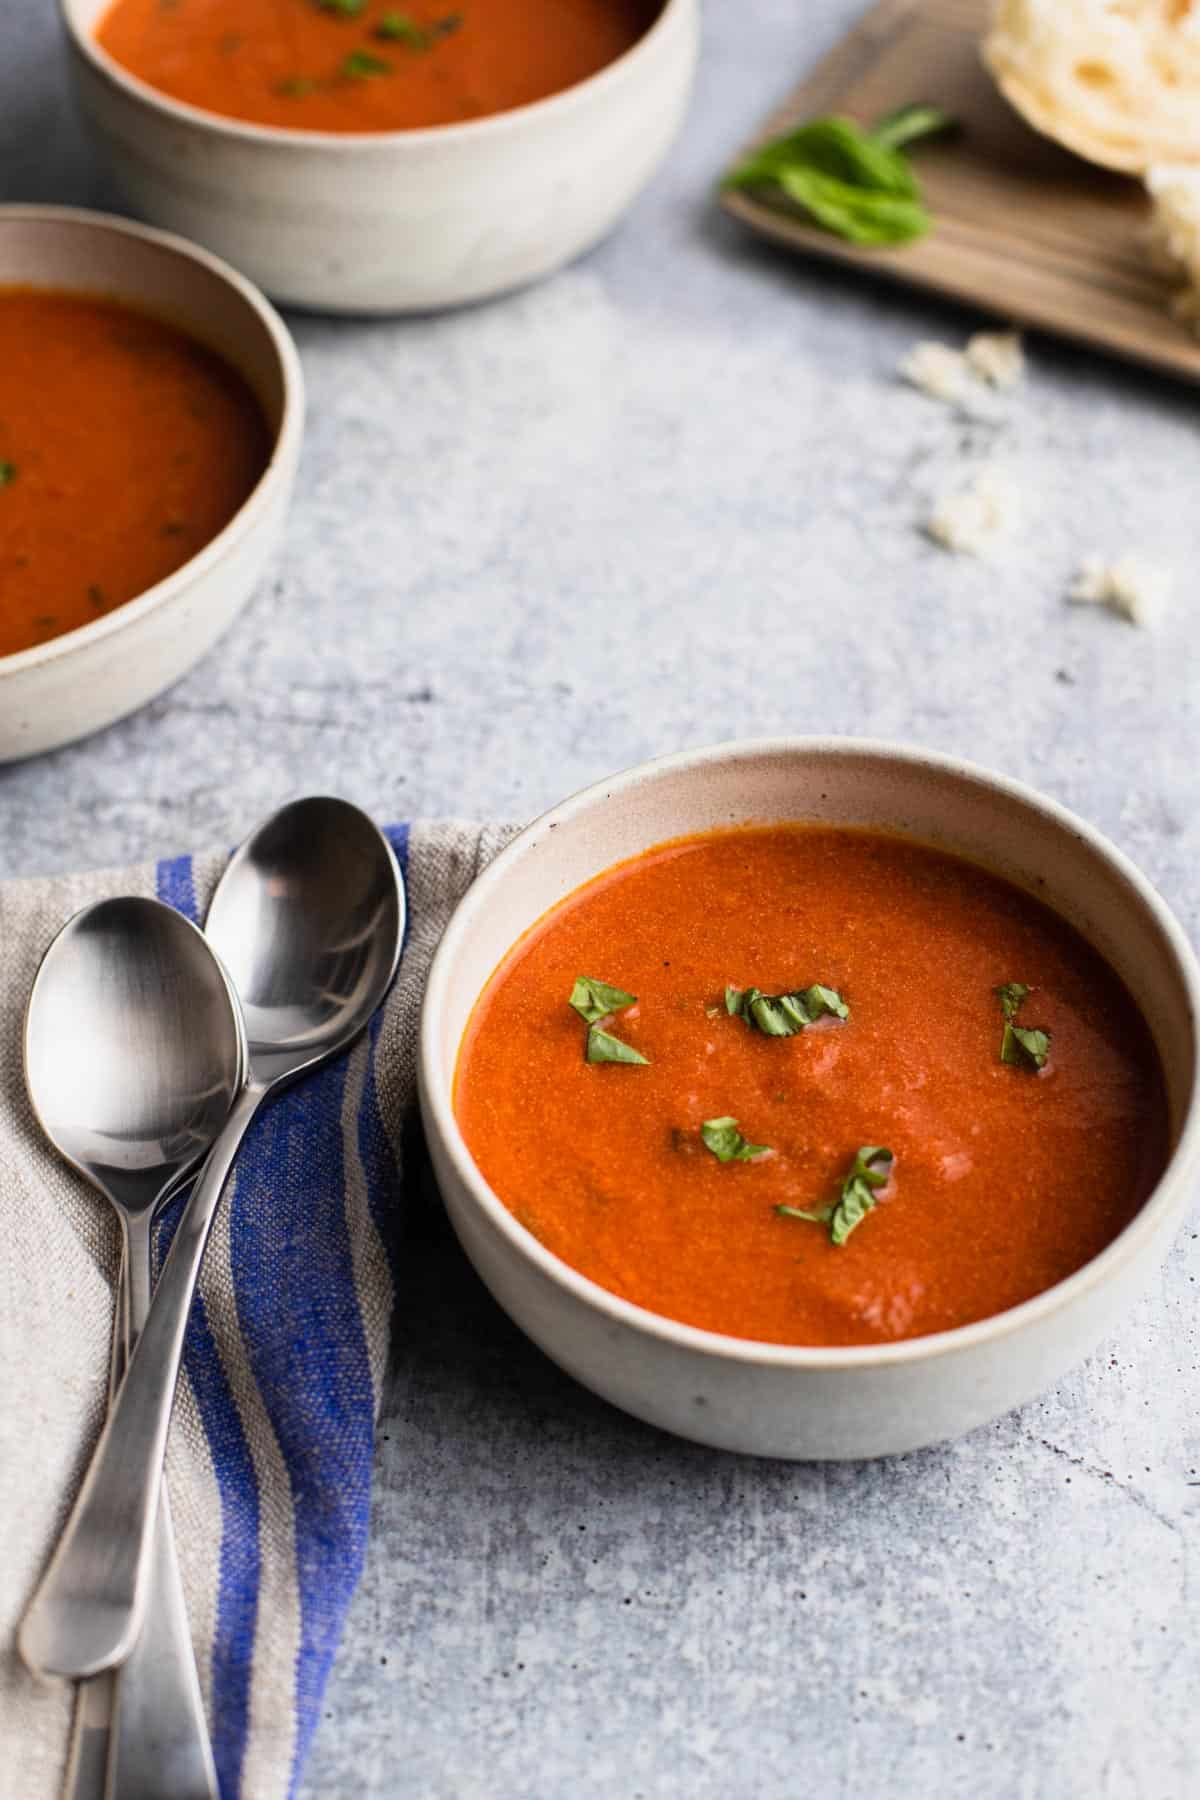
x,y
271,1445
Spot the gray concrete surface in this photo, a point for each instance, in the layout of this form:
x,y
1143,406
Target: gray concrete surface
x,y
669,497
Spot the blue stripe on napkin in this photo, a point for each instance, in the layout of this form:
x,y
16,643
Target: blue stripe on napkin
x,y
301,1326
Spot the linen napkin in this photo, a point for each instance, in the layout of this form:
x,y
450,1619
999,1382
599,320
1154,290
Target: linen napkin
x,y
269,1463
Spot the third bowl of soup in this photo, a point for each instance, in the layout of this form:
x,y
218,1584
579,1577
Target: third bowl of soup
x,y
361,157
812,1099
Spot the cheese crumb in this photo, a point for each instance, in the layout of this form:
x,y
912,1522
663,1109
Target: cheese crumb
x,y
971,520
1132,587
938,370
1175,232
992,359
998,357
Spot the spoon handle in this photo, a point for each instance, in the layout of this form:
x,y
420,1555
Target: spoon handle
x,y
88,1607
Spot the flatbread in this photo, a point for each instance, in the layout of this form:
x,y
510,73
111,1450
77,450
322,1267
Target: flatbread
x,y
1175,233
1117,81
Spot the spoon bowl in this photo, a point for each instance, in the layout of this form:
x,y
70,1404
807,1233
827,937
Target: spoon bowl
x,y
135,1123
308,919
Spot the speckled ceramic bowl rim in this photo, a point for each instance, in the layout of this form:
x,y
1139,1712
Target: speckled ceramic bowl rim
x,y
347,143
438,1090
284,449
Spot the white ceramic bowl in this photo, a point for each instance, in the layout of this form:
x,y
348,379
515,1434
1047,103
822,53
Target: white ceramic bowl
x,y
395,221
75,683
779,1400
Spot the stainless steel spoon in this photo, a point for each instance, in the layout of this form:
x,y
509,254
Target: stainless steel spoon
x,y
134,1053
309,918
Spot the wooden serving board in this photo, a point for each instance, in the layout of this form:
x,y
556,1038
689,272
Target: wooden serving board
x,y
1021,228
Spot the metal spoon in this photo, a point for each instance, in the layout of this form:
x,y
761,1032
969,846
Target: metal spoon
x,y
310,918
134,1052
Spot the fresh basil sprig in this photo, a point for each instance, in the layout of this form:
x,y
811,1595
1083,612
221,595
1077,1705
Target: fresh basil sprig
x,y
783,1015
871,1170
726,1142
596,1002
1024,1046
8,473
855,182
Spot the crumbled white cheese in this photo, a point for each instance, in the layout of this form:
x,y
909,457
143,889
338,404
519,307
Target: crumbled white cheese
x,y
1133,587
998,357
1175,232
938,370
991,359
971,520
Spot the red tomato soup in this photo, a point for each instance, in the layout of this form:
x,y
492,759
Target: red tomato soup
x,y
1005,1175
125,446
366,65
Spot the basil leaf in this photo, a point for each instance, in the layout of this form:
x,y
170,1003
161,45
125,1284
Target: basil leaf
x,y
8,473
1024,1048
822,1217
872,1169
784,1015
346,9
853,212
595,1000
834,147
360,65
602,1047
296,86
853,182
1010,995
909,124
726,1142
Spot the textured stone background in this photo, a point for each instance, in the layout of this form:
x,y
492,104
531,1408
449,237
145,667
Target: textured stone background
x,y
666,498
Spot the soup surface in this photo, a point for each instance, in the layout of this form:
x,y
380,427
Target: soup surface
x,y
1006,1177
125,446
366,65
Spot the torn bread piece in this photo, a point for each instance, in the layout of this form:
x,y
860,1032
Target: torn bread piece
x,y
1132,586
1174,190
1116,81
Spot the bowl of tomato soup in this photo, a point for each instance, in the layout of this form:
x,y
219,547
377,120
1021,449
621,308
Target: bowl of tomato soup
x,y
355,156
150,422
812,1098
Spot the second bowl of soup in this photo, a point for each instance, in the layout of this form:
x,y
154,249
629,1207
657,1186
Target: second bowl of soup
x,y
812,1099
361,157
150,420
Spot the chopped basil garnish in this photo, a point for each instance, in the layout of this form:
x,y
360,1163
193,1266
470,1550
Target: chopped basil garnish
x,y
296,86
399,28
603,1047
783,1015
346,9
8,473
871,1170
360,65
1010,995
854,182
726,1142
595,1000
1022,1046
